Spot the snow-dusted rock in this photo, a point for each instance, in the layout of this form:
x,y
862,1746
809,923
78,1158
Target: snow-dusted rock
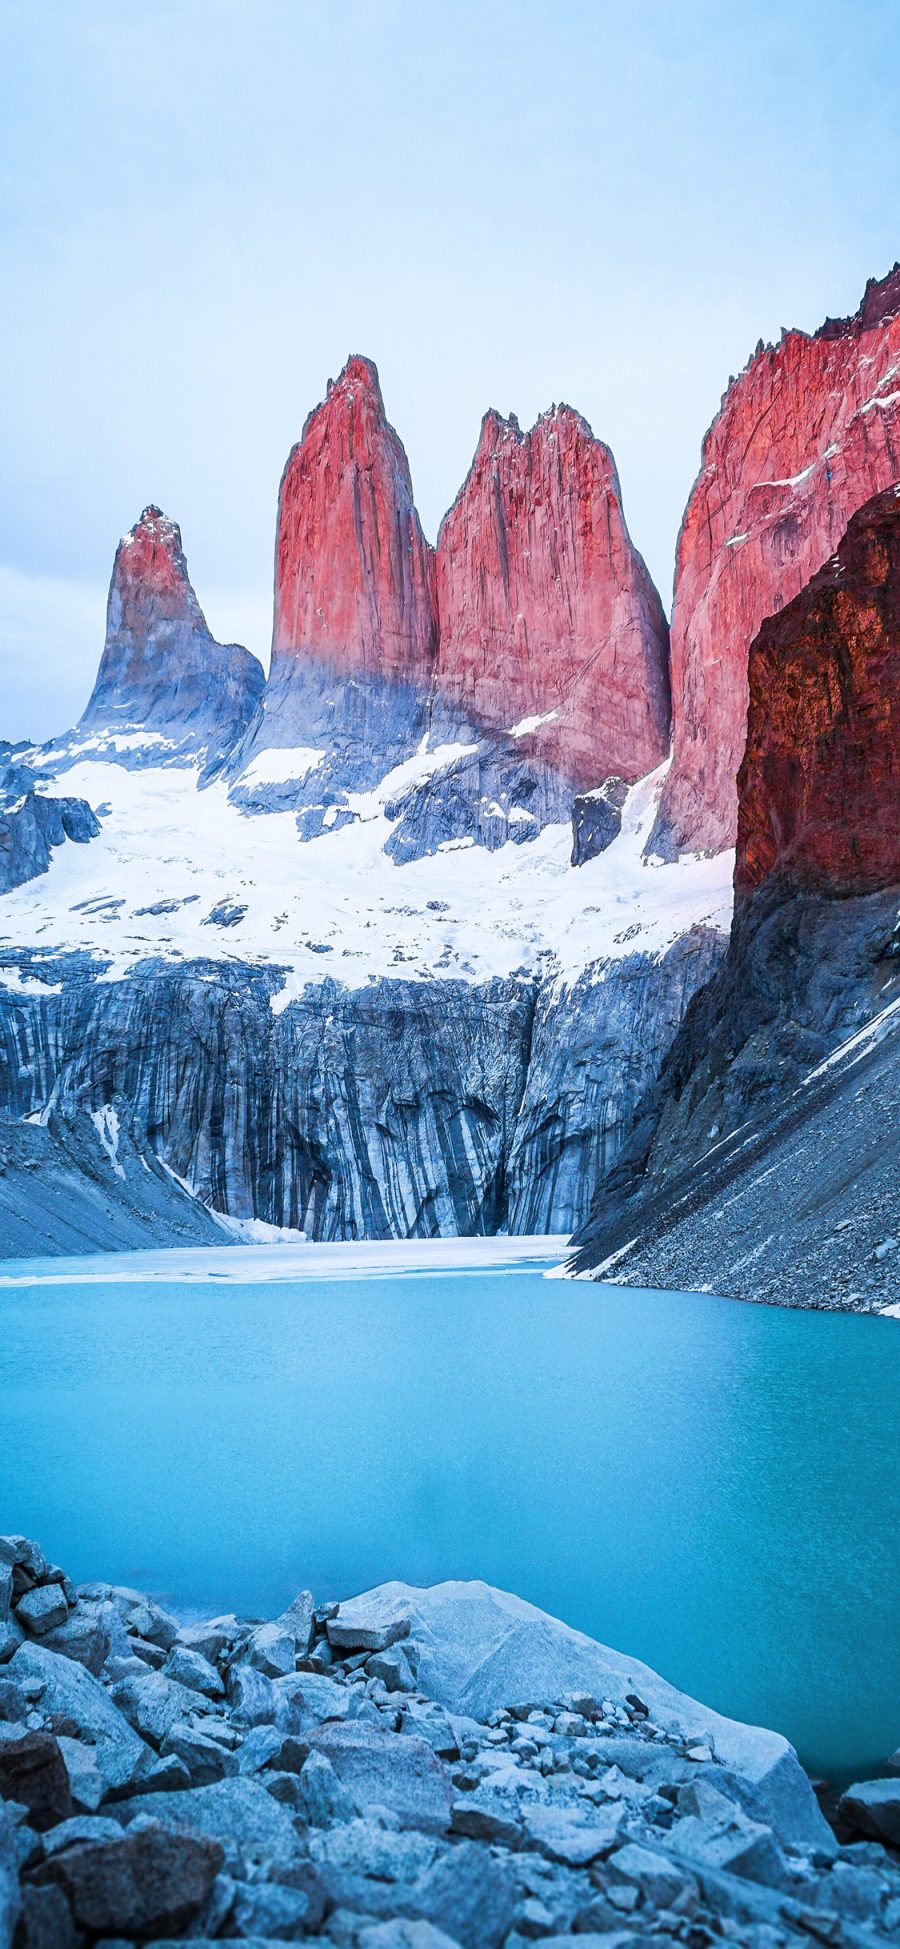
x,y
482,1648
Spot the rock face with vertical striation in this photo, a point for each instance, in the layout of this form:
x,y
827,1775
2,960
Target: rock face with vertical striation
x,y
550,626
162,670
355,630
758,1089
806,434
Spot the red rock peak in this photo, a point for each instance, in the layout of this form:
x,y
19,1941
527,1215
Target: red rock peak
x,y
354,576
546,610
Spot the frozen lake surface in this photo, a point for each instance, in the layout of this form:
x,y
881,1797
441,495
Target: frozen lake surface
x,y
711,1487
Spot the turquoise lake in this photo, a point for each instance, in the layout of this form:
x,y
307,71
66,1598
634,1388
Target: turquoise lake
x,y
711,1487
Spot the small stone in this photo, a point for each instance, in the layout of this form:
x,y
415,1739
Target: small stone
x,y
13,1703
190,1668
325,1798
86,1783
42,1609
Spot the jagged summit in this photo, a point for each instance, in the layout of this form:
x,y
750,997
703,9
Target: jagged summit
x,y
545,608
162,671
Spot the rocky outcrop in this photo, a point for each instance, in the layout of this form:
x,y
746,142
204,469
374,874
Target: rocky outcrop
x,y
355,631
447,1766
162,674
33,822
806,434
549,624
813,957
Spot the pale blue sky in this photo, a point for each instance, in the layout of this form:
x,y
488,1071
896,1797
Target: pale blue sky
x,y
206,204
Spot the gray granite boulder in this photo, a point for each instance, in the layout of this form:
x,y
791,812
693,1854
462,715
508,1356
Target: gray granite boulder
x,y
873,1807
398,1772
136,1885
239,1813
70,1691
482,1649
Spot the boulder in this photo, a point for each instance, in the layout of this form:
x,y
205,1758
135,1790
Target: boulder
x,y
33,1773
86,1782
482,1649
873,1807
46,1920
325,1798
470,1890
402,1934
81,1636
383,1769
270,1650
238,1813
298,1621
137,1885
564,1834
206,1759
81,1827
42,1608
358,1626
252,1697
152,1704
306,1696
191,1668
69,1690
734,1846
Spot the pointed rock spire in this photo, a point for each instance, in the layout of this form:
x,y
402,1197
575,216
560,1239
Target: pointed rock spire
x,y
161,667
354,575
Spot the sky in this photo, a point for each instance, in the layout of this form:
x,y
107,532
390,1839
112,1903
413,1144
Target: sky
x,y
205,208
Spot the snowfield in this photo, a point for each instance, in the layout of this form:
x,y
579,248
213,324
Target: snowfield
x,y
171,856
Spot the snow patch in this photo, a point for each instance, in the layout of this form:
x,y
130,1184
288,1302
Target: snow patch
x,y
106,1123
526,725
281,765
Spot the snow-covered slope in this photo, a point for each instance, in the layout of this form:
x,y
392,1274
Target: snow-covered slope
x,y
180,871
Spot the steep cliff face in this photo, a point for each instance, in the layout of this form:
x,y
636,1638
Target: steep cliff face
x,y
402,1109
813,957
819,786
550,627
809,431
355,629
162,671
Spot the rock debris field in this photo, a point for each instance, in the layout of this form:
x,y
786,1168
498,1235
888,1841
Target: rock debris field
x,y
406,1770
